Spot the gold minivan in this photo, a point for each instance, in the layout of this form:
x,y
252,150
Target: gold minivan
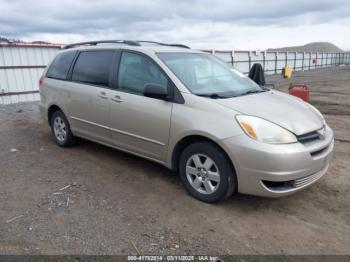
x,y
188,111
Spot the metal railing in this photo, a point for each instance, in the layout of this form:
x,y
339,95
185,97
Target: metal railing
x,y
274,62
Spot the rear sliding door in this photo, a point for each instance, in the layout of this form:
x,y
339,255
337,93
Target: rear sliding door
x,y
88,101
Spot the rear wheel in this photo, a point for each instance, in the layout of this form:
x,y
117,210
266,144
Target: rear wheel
x,y
206,172
60,129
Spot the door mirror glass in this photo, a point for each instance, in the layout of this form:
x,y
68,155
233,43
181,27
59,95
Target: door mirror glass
x,y
156,91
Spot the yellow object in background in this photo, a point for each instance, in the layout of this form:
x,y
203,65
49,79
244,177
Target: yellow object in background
x,y
287,72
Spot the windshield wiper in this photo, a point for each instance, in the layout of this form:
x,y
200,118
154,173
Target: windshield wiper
x,y
213,95
252,92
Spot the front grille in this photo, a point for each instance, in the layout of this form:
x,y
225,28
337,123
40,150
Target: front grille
x,y
319,152
308,137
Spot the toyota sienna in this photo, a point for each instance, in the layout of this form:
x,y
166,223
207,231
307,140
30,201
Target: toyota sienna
x,y
188,111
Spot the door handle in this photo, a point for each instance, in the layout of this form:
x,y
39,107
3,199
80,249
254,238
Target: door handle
x,y
117,99
102,95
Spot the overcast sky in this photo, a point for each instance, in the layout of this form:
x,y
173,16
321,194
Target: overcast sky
x,y
223,24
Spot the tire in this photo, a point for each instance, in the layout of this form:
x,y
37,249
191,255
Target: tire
x,y
206,181
60,129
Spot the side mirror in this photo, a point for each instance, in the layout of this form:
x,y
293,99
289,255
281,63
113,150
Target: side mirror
x,y
156,91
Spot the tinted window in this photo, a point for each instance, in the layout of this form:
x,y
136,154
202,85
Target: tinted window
x,y
136,70
60,66
93,67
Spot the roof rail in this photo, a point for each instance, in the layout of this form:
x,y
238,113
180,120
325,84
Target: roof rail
x,y
126,42
163,44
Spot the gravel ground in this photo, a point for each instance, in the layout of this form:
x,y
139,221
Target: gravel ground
x,y
92,199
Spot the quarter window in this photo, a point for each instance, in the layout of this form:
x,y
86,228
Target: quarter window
x,y
135,71
60,66
93,67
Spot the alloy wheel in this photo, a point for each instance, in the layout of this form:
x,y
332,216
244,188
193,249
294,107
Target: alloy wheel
x,y
202,173
60,129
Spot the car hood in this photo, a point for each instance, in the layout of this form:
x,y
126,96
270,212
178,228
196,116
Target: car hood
x,y
282,109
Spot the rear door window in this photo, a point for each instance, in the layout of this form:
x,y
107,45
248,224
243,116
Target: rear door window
x,y
93,67
60,66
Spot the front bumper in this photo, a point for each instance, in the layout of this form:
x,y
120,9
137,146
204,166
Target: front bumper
x,y
278,170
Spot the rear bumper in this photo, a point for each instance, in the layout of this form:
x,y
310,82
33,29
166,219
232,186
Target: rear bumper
x,y
278,170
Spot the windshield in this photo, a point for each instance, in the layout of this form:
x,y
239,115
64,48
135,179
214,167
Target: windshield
x,y
206,75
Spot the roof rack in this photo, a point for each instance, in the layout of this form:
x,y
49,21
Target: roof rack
x,y
127,42
163,44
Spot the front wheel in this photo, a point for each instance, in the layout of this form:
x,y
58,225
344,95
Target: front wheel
x,y
206,172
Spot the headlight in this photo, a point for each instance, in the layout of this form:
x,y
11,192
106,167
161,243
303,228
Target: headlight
x,y
265,131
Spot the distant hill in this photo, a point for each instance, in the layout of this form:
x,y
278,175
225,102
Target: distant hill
x,y
3,39
18,42
311,47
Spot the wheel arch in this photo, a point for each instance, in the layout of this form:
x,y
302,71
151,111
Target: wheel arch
x,y
190,139
52,109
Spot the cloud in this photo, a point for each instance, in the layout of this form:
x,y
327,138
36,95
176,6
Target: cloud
x,y
200,23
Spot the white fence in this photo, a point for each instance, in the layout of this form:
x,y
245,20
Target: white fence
x,y
22,66
20,70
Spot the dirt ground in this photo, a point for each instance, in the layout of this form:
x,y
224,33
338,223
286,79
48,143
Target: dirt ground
x,y
92,199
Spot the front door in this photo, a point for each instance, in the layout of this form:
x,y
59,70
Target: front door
x,y
139,124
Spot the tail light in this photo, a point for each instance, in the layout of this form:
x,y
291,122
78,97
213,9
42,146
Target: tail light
x,y
41,80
